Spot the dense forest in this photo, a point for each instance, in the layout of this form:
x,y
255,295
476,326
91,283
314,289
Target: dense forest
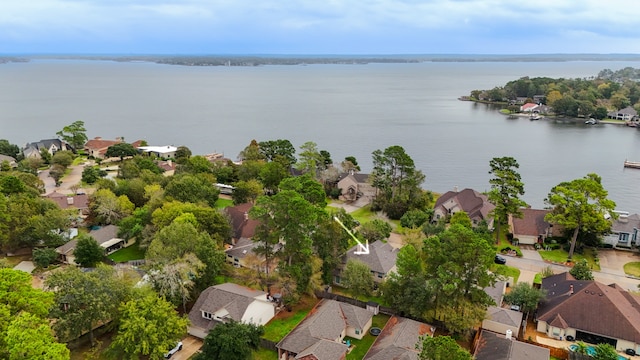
x,y
586,97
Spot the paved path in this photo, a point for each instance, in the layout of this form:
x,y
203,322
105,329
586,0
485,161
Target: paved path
x,y
73,178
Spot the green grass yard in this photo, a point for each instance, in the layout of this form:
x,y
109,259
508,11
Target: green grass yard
x,y
132,252
264,354
360,347
632,268
284,322
506,271
560,256
223,203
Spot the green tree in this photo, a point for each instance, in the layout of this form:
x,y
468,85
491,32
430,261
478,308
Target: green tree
x,y
121,150
406,289
357,277
581,270
271,174
62,158
45,156
278,149
414,219
149,326
442,348
84,300
462,218
525,296
174,281
330,241
74,134
192,188
375,230
246,191
506,189
581,348
6,148
91,174
209,220
580,204
29,338
183,154
17,294
397,180
310,189
57,172
107,208
251,152
88,252
309,159
605,352
44,257
232,340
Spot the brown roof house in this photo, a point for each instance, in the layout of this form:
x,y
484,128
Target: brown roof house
x,y
356,186
381,260
493,346
320,335
532,228
240,253
589,311
398,340
624,231
475,204
97,147
106,237
80,202
226,302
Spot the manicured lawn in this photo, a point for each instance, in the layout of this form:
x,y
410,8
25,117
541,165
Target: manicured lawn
x,y
537,279
223,203
560,255
507,271
285,321
360,347
346,292
264,354
364,214
132,252
632,268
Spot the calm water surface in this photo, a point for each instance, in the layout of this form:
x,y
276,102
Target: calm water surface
x,y
345,109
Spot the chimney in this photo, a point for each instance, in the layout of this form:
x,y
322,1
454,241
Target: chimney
x,y
571,289
509,334
70,200
455,188
246,216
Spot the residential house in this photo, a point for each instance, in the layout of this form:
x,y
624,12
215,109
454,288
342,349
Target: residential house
x,y
240,252
493,346
9,159
399,339
475,204
381,260
624,231
320,335
589,311
627,114
106,237
32,150
532,228
80,202
529,108
168,167
498,319
229,302
97,147
163,152
355,186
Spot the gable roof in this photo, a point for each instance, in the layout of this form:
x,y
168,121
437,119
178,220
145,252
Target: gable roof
x,y
532,222
104,233
11,160
398,340
493,346
242,225
99,143
626,224
504,316
233,298
356,176
571,303
468,200
325,322
79,201
381,258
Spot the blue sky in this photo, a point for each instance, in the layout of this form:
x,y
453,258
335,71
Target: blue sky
x,y
319,26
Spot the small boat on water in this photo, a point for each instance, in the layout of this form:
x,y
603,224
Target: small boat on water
x,y
535,117
632,164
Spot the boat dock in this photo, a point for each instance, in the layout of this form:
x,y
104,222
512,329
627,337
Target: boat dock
x,y
632,164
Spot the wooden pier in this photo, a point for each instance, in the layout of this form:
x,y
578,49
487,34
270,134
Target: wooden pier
x,y
632,164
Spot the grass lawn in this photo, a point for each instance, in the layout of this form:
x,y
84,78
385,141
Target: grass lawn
x,y
507,271
264,354
12,261
360,347
560,255
632,268
223,203
285,321
364,214
346,292
132,252
537,279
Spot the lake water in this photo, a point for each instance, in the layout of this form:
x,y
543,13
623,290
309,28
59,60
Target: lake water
x,y
346,109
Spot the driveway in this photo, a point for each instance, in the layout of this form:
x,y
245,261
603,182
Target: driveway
x,y
190,345
73,178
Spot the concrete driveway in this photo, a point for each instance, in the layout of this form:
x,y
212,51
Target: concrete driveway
x,y
73,178
190,345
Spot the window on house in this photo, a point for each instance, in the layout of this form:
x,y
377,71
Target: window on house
x,y
556,331
380,275
357,331
207,315
623,237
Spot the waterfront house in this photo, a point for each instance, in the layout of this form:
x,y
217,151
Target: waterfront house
x,y
627,114
162,152
531,228
97,147
624,231
354,186
320,335
381,260
475,204
528,108
32,150
399,340
229,302
589,311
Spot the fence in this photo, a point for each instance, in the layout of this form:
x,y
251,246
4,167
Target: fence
x,y
268,344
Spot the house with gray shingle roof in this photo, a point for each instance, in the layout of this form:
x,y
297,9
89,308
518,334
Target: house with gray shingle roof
x,y
105,236
475,204
589,311
32,150
354,186
493,346
320,335
624,231
226,302
9,159
398,340
381,260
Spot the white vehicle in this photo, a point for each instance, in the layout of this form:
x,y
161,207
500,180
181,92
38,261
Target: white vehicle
x,y
177,348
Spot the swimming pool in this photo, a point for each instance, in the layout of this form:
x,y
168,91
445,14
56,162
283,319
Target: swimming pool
x,y
591,351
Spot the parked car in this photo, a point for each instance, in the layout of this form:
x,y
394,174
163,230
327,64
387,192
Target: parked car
x,y
500,260
177,348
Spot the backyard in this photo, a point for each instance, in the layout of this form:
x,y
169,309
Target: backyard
x,y
285,321
360,347
132,252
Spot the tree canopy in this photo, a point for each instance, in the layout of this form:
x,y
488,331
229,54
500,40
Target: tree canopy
x,y
442,348
75,134
232,340
506,189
